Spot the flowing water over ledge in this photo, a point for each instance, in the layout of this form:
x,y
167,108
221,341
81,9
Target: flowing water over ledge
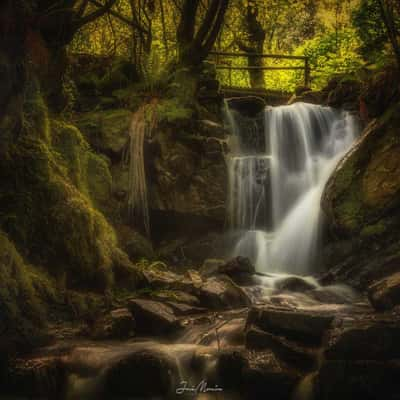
x,y
276,178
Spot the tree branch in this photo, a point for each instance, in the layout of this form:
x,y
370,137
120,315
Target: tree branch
x,y
96,14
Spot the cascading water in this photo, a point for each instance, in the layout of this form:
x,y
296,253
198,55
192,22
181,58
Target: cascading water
x,y
276,185
142,125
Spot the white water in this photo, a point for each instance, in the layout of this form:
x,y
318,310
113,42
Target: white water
x,y
276,188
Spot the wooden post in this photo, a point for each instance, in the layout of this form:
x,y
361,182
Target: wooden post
x,y
306,72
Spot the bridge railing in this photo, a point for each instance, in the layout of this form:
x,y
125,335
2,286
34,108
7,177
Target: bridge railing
x,y
228,65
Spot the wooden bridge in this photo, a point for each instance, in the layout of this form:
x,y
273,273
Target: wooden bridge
x,y
216,57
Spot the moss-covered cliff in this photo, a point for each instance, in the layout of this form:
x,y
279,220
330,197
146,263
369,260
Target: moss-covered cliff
x,y
362,200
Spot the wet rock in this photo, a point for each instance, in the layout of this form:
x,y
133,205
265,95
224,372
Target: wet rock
x,y
144,373
153,318
385,294
363,379
298,325
336,294
181,309
238,265
118,324
221,292
290,352
211,266
359,339
267,377
230,366
175,296
295,284
42,376
256,374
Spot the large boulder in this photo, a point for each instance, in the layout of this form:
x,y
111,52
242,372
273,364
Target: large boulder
x,y
361,379
385,294
360,340
145,374
362,199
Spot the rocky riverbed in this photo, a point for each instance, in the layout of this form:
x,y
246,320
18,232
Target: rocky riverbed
x,y
224,333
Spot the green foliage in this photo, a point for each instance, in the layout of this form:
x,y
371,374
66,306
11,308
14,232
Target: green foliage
x,y
372,32
172,111
331,53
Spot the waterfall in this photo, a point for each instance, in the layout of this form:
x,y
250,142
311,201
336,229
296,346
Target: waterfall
x,y
276,182
142,125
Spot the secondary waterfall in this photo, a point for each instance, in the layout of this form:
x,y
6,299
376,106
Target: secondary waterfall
x,y
276,180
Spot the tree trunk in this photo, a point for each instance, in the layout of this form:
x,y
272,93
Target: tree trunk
x,y
255,37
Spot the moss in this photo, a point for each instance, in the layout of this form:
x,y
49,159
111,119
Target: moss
x,y
88,171
22,313
374,230
173,111
51,218
35,115
106,131
73,149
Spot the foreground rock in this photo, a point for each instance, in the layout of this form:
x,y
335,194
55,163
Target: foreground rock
x,y
288,351
365,339
118,324
362,360
305,326
256,374
153,318
240,269
215,292
145,373
295,284
385,294
222,293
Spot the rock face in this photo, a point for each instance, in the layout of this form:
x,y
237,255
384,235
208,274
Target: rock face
x,y
188,179
362,199
385,294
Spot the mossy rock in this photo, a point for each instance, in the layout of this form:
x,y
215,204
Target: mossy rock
x,y
106,131
173,111
51,218
22,312
89,171
134,244
363,193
